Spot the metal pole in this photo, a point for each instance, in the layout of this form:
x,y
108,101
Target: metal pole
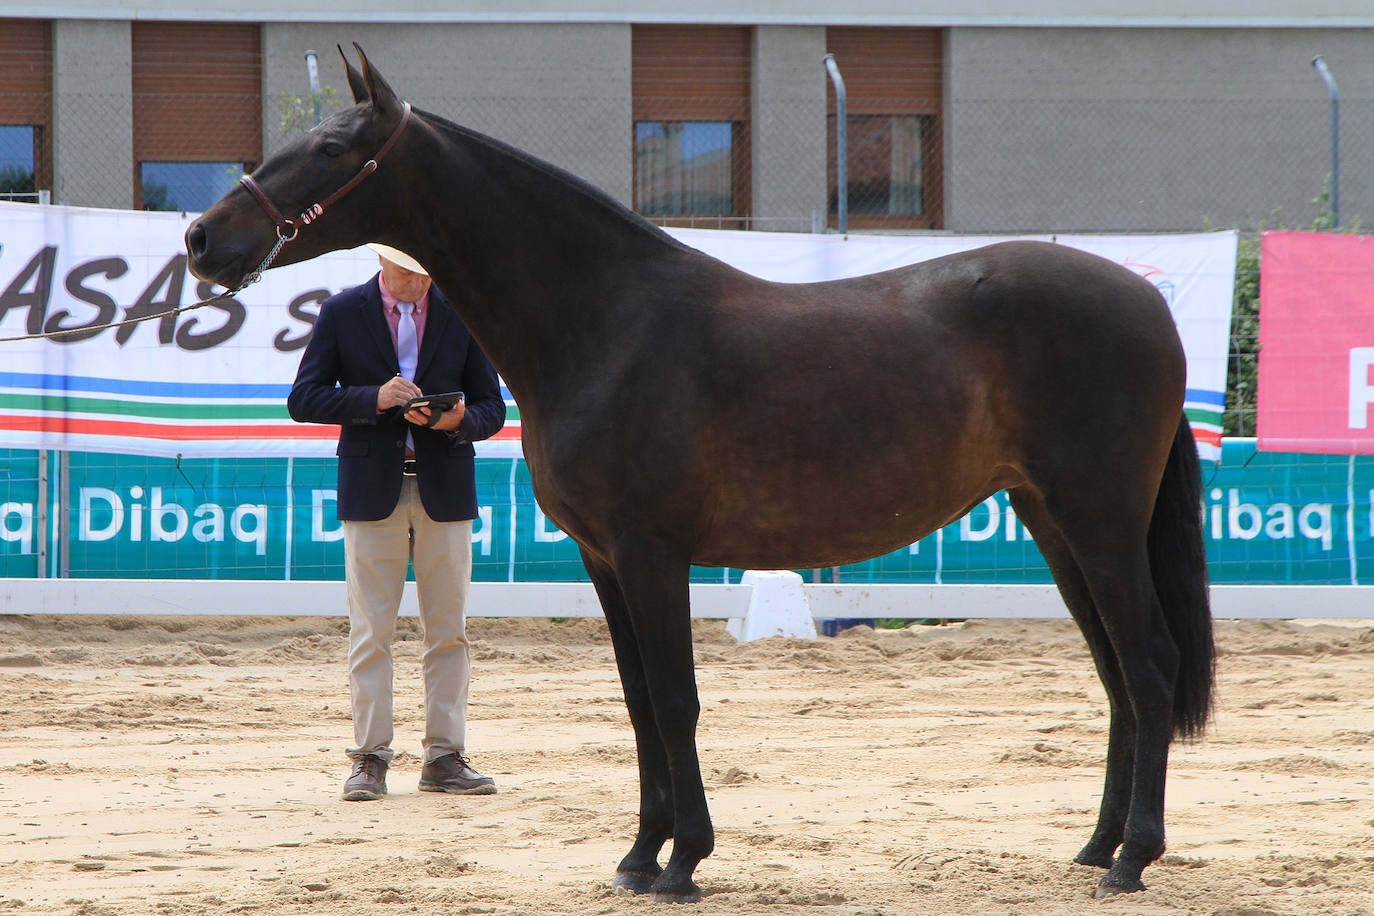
x,y
841,144
64,515
1320,63
40,524
312,69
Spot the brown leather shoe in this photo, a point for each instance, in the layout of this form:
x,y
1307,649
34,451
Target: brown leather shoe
x,y
453,773
368,782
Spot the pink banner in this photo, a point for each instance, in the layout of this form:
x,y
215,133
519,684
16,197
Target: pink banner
x,y
1316,360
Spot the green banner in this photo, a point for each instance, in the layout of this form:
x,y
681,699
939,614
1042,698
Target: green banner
x,y
1269,518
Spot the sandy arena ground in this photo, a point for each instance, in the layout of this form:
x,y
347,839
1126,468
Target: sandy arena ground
x,y
165,765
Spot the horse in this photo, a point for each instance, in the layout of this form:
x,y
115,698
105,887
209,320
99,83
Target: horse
x,y
677,411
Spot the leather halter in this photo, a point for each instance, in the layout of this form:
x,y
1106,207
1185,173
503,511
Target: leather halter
x,y
314,211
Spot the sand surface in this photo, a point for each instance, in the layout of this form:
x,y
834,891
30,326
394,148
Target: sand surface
x,y
163,765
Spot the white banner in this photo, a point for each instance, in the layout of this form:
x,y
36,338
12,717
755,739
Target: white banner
x,y
213,382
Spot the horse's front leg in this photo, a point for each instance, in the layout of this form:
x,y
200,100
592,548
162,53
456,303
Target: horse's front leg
x,y
653,578
638,870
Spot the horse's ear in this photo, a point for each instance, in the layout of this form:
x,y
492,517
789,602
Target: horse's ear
x,y
355,79
384,100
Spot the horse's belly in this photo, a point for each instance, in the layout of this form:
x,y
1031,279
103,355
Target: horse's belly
x,y
804,542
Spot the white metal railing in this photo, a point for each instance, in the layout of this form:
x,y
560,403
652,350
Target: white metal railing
x,y
253,597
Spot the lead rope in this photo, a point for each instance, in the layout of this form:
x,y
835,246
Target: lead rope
x,y
247,281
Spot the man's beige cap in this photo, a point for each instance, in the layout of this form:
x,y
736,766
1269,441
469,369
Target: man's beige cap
x,y
397,257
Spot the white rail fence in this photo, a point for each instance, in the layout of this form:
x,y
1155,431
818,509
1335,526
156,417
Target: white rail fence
x,y
226,597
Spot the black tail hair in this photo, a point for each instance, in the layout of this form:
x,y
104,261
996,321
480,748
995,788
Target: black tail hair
x,y
1178,564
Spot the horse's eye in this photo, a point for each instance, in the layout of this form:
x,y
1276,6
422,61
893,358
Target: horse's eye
x,y
333,148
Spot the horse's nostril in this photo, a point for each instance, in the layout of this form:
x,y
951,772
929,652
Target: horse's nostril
x,y
197,241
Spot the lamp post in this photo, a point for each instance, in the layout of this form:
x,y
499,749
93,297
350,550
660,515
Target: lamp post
x,y
312,70
841,145
1320,63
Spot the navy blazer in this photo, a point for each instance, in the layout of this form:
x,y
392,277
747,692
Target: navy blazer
x,y
349,357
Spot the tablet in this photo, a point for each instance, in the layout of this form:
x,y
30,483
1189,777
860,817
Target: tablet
x,y
434,401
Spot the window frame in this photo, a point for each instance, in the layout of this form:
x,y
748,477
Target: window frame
x,y
930,216
35,154
26,58
692,74
737,178
197,94
891,71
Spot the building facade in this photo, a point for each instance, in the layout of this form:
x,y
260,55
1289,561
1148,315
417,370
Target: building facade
x,y
1061,121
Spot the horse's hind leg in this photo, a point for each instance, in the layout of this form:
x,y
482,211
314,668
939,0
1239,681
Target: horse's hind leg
x,y
1116,792
638,870
1108,546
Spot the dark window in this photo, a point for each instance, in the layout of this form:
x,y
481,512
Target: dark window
x,y
197,110
886,164
685,167
25,108
18,179
186,186
894,82
690,87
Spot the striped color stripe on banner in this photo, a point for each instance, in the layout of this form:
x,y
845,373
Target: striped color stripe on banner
x,y
143,388
73,405
72,424
87,426
1204,412
188,410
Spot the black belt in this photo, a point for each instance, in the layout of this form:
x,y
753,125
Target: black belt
x,y
408,468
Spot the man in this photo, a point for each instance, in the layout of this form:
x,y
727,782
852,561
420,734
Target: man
x,y
407,493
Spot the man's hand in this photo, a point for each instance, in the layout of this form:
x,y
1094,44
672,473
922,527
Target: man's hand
x,y
448,419
396,392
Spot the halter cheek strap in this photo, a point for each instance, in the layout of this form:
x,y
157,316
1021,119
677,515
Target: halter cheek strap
x,y
284,225
287,228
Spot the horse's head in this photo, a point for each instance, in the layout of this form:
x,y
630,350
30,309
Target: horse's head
x,y
319,191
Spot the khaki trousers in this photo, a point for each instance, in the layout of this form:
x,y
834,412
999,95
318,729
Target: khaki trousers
x,y
375,559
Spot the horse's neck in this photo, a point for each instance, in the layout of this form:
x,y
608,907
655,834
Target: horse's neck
x,y
532,261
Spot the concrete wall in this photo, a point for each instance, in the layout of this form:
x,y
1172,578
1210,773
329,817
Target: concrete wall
x,y
1151,129
561,92
1228,13
1055,129
92,120
788,126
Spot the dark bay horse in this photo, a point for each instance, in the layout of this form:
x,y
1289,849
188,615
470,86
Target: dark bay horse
x,y
677,411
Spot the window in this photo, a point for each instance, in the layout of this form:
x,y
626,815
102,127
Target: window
x,y
18,180
25,109
885,165
685,167
691,124
893,85
186,186
197,100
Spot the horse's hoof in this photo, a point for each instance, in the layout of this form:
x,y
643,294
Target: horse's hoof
x,y
678,888
1110,888
689,896
1093,860
633,881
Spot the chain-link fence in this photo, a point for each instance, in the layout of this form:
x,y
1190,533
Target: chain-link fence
x,y
978,167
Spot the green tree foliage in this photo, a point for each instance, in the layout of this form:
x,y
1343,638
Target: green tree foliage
x,y
15,179
297,112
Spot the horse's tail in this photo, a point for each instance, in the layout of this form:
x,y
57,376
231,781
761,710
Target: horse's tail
x,y
1178,563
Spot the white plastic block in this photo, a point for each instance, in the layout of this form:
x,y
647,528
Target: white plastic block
x,y
778,606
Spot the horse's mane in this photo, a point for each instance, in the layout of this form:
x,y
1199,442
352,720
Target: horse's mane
x,y
574,184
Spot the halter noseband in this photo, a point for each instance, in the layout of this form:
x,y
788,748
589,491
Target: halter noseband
x,y
314,211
